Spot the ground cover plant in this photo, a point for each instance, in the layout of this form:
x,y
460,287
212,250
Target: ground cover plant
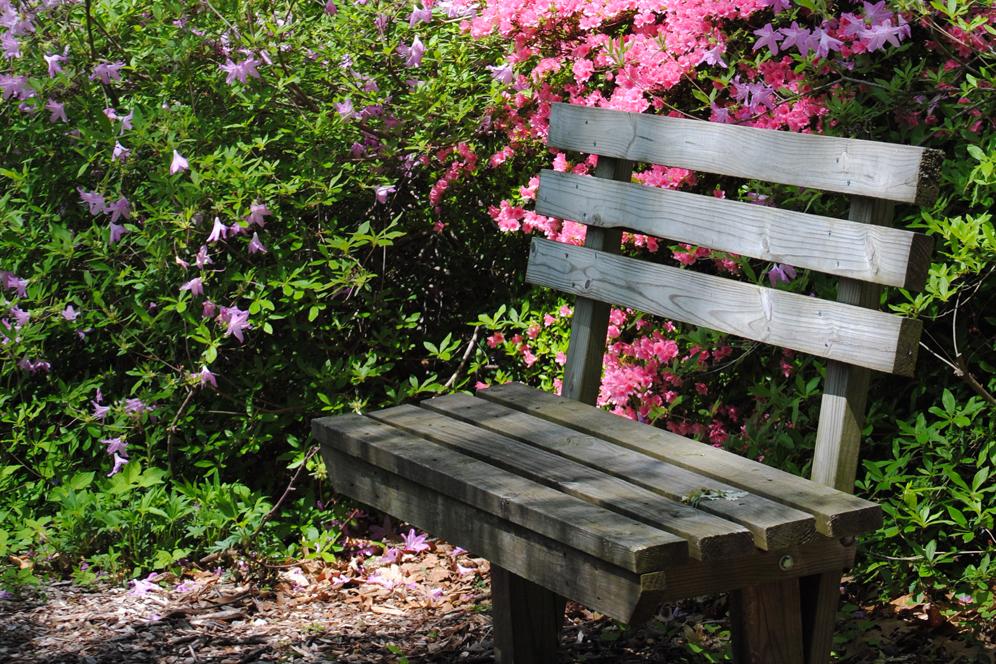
x,y
219,219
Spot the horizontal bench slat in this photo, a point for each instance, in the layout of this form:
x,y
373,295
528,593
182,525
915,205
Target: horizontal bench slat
x,y
774,526
901,173
708,536
613,591
836,331
617,539
876,254
838,514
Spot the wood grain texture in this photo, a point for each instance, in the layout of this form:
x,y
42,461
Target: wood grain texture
x,y
837,514
708,536
899,173
611,590
527,619
766,624
697,577
583,371
614,538
773,526
835,246
836,331
820,595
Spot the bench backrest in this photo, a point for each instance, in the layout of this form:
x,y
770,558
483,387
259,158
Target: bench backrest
x,y
862,250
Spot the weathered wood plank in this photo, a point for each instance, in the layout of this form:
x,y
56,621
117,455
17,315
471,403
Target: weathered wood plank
x,y
697,577
583,371
708,536
901,173
614,538
611,590
766,624
841,247
527,619
841,332
837,514
774,526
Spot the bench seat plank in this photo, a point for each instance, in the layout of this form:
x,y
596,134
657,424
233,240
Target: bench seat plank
x,y
774,526
622,541
837,514
618,593
854,335
889,256
708,536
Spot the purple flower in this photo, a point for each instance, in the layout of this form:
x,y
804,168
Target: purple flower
x,y
11,47
137,407
11,281
120,152
720,114
110,114
714,56
778,5
345,109
119,209
236,320
182,263
119,463
21,317
502,73
54,66
330,8
16,86
99,411
57,110
412,54
781,272
240,71
117,230
236,229
798,37
93,199
69,313
825,43
414,543
876,13
381,21
34,366
179,163
419,15
195,286
255,246
208,309
105,72
877,36
116,446
218,232
202,258
768,37
382,192
206,377
257,212
126,121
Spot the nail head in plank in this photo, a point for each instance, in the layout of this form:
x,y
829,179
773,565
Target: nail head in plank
x,y
838,514
773,525
708,536
840,247
611,590
836,331
614,538
901,173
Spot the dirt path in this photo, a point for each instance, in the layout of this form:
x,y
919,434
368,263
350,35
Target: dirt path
x,y
429,606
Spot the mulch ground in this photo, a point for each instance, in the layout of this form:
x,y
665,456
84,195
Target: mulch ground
x,y
429,606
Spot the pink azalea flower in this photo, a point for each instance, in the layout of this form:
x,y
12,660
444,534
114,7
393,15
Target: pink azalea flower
x,y
120,152
218,232
179,163
69,313
57,110
420,15
255,246
206,377
240,71
345,109
105,72
119,463
236,321
144,586
781,272
116,446
119,209
502,73
195,286
182,263
714,56
202,257
257,212
414,543
54,66
412,54
110,114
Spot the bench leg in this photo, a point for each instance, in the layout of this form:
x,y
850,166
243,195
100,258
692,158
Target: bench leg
x,y
820,597
527,619
766,624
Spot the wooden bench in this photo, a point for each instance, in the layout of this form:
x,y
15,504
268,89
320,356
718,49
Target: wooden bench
x,y
568,501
